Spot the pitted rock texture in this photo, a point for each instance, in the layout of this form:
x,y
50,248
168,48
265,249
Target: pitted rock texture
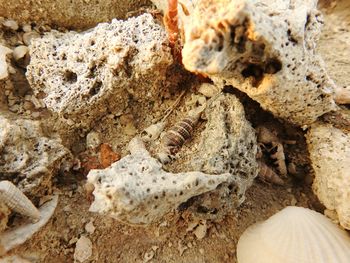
x,y
330,156
267,50
28,157
136,190
86,75
227,145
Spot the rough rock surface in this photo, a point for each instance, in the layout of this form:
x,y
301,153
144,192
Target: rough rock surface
x,y
267,50
87,75
77,14
4,214
227,145
28,157
136,190
330,157
4,51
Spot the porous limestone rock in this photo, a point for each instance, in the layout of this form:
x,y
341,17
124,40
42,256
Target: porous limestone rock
x,y
136,190
28,157
87,75
264,48
227,145
330,157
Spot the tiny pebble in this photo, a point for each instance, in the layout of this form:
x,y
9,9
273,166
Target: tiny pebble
x,y
27,28
36,114
148,256
208,90
19,52
29,36
11,24
93,140
83,249
90,228
201,231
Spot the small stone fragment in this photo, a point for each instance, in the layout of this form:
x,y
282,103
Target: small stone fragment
x,y
90,228
4,51
27,28
83,249
201,230
11,24
29,36
20,52
93,140
208,90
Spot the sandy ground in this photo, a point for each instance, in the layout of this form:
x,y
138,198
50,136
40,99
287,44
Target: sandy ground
x,y
169,241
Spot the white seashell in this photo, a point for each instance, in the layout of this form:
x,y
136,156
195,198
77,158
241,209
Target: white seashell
x,y
17,201
18,235
294,235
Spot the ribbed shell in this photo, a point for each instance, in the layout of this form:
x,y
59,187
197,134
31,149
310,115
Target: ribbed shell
x,y
294,235
17,201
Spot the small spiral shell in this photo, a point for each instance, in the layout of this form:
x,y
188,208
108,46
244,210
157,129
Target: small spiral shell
x,y
179,133
17,201
266,174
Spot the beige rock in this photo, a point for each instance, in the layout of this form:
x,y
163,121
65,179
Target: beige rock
x,y
4,51
264,48
11,24
136,190
329,150
78,14
227,145
26,150
29,36
83,249
83,73
20,52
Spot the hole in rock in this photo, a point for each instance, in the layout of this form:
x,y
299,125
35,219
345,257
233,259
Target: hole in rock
x,y
273,66
70,76
95,88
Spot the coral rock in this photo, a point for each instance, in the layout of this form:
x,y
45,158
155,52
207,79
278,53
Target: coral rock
x,y
330,157
85,75
227,145
267,50
136,190
28,156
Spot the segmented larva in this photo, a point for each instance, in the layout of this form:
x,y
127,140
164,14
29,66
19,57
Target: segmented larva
x,y
266,174
17,201
176,136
